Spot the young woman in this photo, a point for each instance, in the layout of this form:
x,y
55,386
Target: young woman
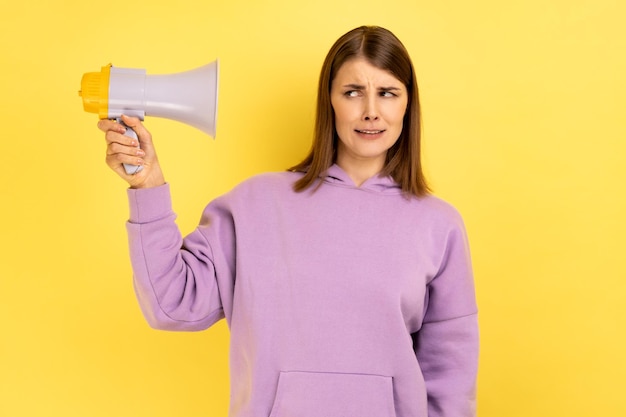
x,y
347,287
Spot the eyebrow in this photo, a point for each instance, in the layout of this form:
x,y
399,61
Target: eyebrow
x,y
362,87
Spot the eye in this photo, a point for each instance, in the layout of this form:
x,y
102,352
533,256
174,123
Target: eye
x,y
351,93
387,94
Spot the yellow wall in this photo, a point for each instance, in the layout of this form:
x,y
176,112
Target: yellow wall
x,y
525,134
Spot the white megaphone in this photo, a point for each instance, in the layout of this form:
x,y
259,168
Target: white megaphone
x,y
189,97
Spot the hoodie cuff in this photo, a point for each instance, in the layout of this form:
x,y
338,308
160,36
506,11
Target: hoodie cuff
x,y
149,204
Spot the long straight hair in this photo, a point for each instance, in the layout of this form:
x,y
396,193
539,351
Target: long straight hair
x,y
383,49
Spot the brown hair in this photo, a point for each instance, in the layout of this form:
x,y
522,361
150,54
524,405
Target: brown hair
x,y
384,50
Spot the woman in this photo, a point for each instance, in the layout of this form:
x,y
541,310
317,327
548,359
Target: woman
x,y
347,288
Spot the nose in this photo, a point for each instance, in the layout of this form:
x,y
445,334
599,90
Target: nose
x,y
370,110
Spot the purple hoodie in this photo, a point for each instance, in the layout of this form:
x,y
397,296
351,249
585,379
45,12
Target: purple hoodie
x,y
343,302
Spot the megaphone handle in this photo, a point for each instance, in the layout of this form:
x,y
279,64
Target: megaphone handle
x,y
130,169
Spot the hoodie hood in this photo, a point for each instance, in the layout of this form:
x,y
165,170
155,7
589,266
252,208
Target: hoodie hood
x,y
385,184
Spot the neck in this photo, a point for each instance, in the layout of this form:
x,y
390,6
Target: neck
x,y
360,171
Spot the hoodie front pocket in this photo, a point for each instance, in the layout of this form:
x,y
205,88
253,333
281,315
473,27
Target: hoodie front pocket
x,y
314,394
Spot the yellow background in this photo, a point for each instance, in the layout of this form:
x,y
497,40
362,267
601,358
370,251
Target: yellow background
x,y
524,132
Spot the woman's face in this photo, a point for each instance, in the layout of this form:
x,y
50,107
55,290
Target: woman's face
x,y
369,105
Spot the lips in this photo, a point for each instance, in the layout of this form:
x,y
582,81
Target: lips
x,y
369,131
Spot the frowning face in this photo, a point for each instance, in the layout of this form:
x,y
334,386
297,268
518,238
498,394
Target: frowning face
x,y
369,105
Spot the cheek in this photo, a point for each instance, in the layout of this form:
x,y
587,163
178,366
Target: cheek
x,y
395,115
342,117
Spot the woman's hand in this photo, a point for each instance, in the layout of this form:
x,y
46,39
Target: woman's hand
x,y
123,149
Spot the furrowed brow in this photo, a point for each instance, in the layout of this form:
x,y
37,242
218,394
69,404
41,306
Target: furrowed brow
x,y
354,86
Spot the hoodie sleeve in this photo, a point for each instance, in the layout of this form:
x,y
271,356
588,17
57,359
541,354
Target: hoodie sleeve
x,y
447,343
177,281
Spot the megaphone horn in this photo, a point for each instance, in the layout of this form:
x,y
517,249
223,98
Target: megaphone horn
x,y
189,97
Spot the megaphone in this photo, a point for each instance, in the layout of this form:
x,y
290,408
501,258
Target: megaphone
x,y
189,97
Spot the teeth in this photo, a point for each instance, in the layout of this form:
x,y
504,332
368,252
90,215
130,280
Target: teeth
x,y
370,132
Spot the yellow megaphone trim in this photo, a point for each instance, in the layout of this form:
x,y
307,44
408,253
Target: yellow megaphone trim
x,y
94,89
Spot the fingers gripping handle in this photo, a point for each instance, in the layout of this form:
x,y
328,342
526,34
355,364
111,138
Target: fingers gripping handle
x,y
130,169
